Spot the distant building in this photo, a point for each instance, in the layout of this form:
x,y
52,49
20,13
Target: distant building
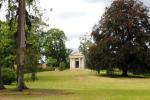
x,y
77,61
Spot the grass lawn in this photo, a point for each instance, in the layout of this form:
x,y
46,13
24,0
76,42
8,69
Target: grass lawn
x,y
80,85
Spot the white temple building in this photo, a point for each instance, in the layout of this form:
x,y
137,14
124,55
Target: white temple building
x,y
77,61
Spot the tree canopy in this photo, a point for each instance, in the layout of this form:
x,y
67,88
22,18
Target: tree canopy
x,y
120,39
54,46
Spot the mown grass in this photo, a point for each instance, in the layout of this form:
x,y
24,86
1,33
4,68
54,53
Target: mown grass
x,y
80,85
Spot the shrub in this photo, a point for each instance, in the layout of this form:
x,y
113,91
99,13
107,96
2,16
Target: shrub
x,y
51,62
46,69
62,66
8,76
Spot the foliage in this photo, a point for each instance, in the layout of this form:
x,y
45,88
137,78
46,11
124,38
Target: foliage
x,y
6,48
62,66
33,49
68,52
51,62
120,39
20,21
21,28
85,44
8,76
46,69
54,46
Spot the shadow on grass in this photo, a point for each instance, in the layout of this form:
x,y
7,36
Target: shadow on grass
x,y
120,76
35,92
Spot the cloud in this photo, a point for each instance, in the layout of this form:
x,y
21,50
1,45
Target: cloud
x,y
73,43
72,36
97,1
71,14
146,2
92,1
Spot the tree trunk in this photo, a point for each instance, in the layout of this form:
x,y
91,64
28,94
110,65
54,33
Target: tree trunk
x,y
21,46
33,76
98,70
109,71
125,71
1,80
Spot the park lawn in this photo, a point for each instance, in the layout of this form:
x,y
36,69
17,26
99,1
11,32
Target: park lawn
x,y
80,85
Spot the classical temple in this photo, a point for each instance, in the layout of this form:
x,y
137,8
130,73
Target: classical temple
x,y
77,61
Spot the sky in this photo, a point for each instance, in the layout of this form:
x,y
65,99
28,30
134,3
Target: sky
x,y
74,17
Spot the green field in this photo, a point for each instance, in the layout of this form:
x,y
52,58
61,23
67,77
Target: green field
x,y
80,85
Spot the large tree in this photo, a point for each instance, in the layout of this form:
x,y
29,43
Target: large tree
x,y
54,45
121,32
18,13
20,23
21,45
19,10
28,25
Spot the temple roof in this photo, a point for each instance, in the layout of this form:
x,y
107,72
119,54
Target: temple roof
x,y
76,54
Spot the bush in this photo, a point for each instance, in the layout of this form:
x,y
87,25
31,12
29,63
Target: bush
x,y
46,69
62,66
8,76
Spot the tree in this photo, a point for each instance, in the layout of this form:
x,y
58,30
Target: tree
x,y
33,45
3,44
85,44
123,27
68,52
17,10
32,52
20,22
54,45
25,20
93,58
21,45
51,62
7,56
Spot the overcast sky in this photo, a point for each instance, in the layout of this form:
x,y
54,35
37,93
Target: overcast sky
x,y
74,17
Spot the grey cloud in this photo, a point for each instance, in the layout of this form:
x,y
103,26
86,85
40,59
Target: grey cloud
x,y
70,15
97,1
146,2
73,36
92,1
